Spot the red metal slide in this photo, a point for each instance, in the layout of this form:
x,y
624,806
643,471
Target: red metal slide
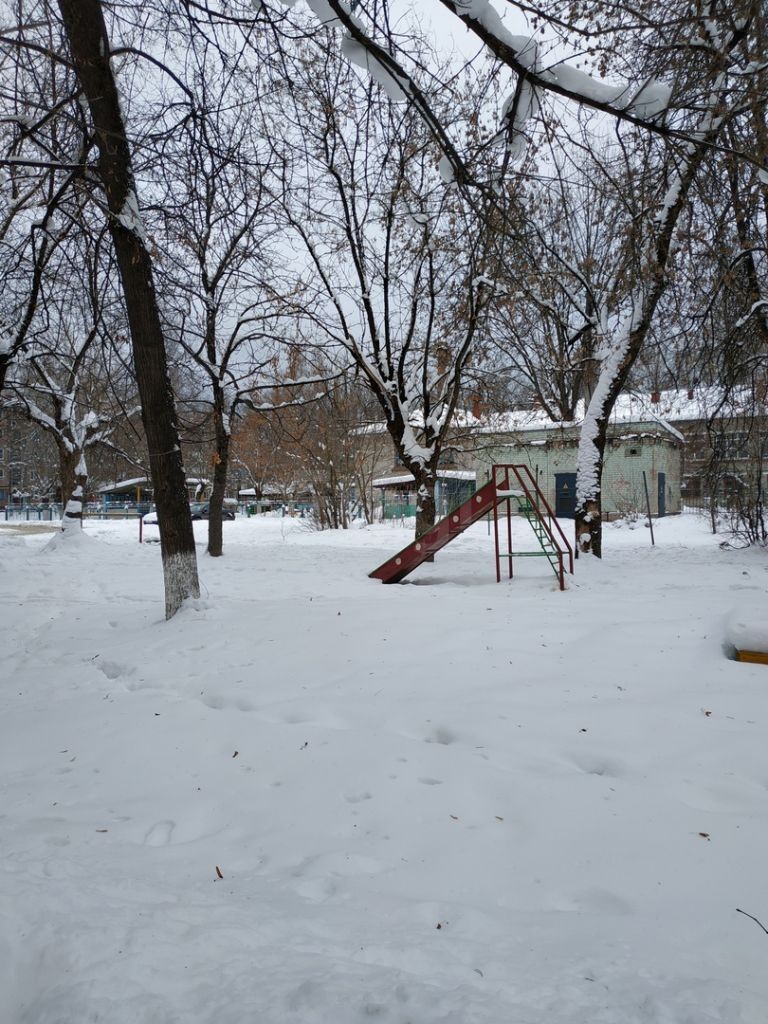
x,y
442,533
515,488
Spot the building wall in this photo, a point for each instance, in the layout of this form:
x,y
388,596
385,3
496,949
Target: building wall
x,y
627,460
548,453
724,457
5,468
12,462
636,448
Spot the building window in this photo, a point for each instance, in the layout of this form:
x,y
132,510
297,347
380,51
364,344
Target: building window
x,y
732,444
633,451
692,487
737,444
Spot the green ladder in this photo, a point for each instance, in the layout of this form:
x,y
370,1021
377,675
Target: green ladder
x,y
534,519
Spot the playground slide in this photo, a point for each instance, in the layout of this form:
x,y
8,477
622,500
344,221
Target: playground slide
x,y
405,561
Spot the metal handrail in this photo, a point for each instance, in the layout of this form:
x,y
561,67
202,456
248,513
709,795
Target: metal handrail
x,y
538,505
553,518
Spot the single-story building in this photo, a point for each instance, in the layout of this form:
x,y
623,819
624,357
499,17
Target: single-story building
x,y
395,495
126,494
643,449
137,495
640,453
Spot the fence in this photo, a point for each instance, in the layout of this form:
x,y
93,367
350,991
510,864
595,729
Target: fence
x,y
52,512
31,513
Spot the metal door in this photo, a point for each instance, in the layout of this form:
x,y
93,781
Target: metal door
x,y
661,494
565,495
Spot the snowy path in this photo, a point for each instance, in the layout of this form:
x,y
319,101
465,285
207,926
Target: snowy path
x,y
443,802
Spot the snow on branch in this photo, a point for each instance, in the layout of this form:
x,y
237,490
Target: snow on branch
x,y
394,83
625,339
642,105
7,339
130,217
761,305
383,71
358,46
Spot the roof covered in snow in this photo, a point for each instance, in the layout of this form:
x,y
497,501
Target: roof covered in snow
x,y
123,485
408,478
662,408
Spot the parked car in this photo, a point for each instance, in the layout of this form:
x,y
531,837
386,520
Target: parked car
x,y
200,510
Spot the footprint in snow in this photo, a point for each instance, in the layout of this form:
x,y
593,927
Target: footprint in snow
x,y
357,798
113,669
592,765
160,834
442,736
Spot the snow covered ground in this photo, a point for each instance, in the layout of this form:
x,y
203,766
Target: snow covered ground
x,y
314,798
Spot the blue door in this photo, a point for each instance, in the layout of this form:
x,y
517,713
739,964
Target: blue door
x,y
565,495
661,494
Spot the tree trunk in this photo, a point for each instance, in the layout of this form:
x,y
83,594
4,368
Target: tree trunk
x,y
426,508
594,429
588,518
89,45
616,366
216,502
74,478
364,498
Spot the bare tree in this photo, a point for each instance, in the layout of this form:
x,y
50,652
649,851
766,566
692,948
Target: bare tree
x,y
394,277
89,47
331,443
683,104
219,270
555,274
74,387
43,147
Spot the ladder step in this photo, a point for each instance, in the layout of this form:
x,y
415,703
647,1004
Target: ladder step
x,y
531,505
525,554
